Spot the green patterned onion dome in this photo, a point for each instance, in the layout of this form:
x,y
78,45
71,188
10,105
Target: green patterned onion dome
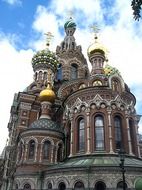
x,y
138,184
109,70
44,59
70,24
44,123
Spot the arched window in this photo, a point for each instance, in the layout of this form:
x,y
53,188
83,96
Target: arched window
x,y
49,186
59,72
97,83
59,153
115,85
100,185
46,150
74,71
79,185
31,149
81,135
99,133
118,132
62,186
27,187
120,185
132,134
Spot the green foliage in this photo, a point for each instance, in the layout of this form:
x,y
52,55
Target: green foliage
x,y
136,6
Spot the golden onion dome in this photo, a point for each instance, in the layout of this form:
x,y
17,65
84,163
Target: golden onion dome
x,y
47,94
96,47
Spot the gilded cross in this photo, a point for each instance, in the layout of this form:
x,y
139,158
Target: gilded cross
x,y
49,37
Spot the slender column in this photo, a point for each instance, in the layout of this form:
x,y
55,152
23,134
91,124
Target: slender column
x,y
26,151
52,150
88,131
71,141
110,130
36,149
41,152
129,137
137,135
56,149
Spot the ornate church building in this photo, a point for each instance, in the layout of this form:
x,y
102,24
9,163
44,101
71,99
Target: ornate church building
x,y
71,127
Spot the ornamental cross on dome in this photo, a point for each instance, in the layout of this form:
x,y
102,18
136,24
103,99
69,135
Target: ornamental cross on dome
x,y
96,30
49,37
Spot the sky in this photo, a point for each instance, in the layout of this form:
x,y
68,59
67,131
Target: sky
x,y
23,24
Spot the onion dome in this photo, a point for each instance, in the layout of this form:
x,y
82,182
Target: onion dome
x,y
70,24
96,47
44,59
44,123
47,94
109,71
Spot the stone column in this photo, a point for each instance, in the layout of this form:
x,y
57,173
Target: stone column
x,y
41,153
71,141
26,151
52,150
128,133
110,130
137,134
88,130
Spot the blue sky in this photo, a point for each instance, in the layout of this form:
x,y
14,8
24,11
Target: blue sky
x,y
22,27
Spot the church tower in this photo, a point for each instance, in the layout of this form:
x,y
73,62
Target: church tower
x,y
69,126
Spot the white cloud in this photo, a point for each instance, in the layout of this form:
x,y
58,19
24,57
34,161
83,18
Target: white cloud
x,y
15,74
13,2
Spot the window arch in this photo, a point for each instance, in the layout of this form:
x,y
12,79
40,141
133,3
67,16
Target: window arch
x,y
27,186
74,71
59,152
79,185
100,185
120,185
46,150
62,186
59,72
31,149
118,132
99,132
81,135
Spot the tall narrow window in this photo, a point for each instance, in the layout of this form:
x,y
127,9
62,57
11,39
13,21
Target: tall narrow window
x,y
74,71
81,135
118,132
115,85
31,149
99,132
59,153
59,72
46,150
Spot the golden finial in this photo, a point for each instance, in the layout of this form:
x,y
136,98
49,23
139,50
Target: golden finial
x,y
49,37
